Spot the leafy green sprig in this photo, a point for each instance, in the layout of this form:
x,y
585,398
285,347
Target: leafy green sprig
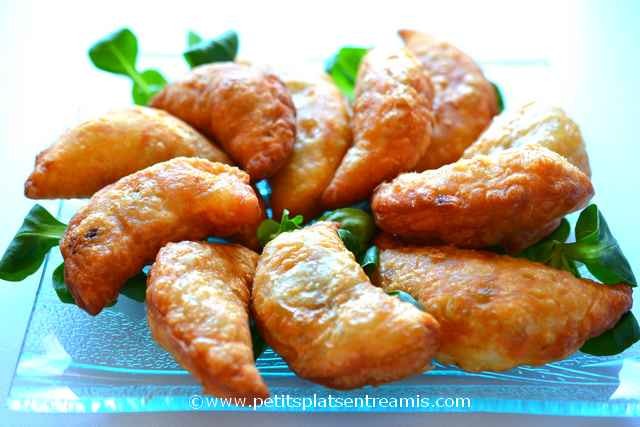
x,y
258,343
596,249
118,53
616,340
193,38
218,49
356,227
39,232
343,68
356,231
370,259
499,98
135,288
270,229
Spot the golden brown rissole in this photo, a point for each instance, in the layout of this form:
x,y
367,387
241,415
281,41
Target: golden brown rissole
x,y
534,123
464,100
247,110
100,151
125,224
198,309
392,119
316,307
497,312
512,199
323,136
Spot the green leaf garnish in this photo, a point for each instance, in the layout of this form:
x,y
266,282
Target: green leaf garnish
x,y
499,98
350,241
57,279
193,38
154,83
135,288
269,229
343,68
598,250
369,260
615,340
562,232
259,345
550,251
39,232
219,49
357,222
595,247
117,53
405,297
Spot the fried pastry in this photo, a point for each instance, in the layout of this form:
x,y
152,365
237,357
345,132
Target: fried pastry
x,y
322,137
247,110
125,224
100,151
533,123
316,307
497,312
198,310
392,120
464,100
512,199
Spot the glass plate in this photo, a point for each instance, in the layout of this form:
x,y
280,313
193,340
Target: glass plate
x,y
72,362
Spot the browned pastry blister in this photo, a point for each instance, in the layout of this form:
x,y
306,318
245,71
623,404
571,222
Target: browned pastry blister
x,y
392,119
245,109
511,199
102,150
198,309
125,224
497,312
464,100
316,307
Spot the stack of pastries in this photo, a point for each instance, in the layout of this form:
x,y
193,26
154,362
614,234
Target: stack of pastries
x,y
445,178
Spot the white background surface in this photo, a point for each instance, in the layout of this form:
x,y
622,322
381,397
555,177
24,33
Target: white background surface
x,y
47,84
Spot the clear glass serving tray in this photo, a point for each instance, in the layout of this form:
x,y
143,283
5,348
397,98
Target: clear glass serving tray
x,y
71,362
